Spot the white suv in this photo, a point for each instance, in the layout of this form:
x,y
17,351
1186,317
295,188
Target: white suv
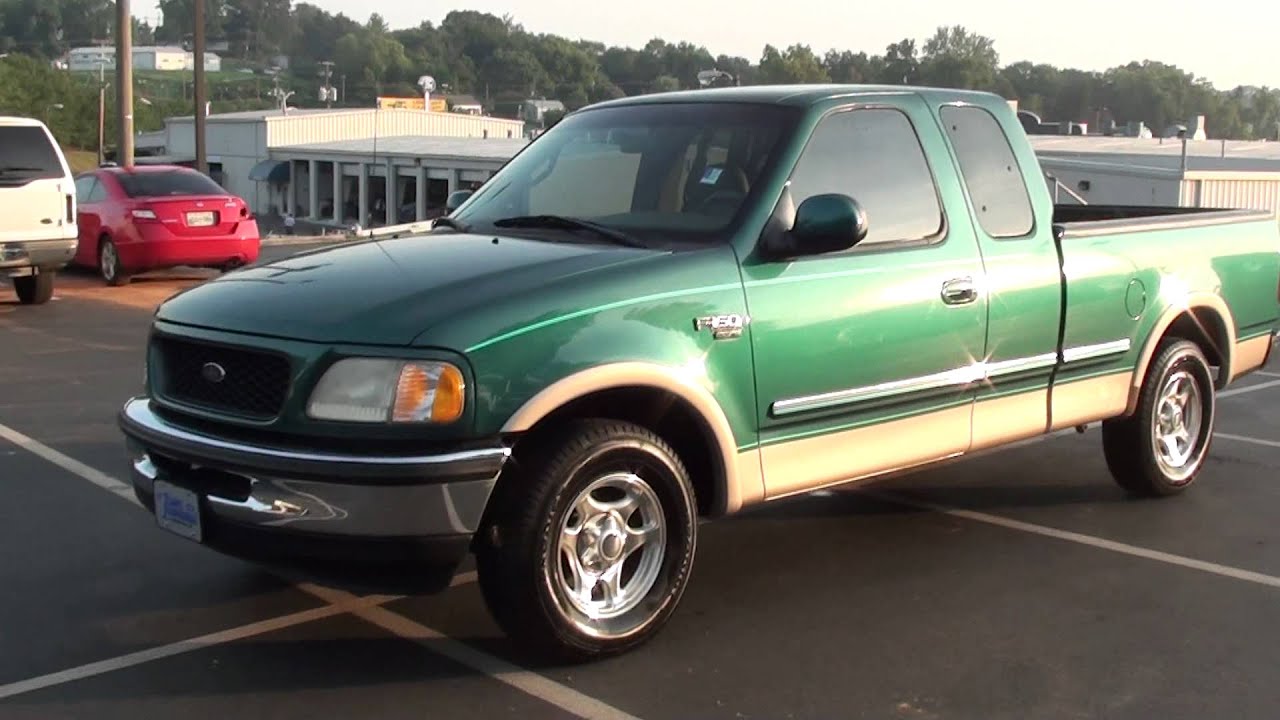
x,y
38,231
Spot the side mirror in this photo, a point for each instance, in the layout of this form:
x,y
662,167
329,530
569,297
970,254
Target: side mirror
x,y
823,224
456,199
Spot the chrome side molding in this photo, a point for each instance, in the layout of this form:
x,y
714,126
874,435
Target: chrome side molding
x,y
957,378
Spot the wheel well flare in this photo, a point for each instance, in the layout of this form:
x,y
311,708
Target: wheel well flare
x,y
684,415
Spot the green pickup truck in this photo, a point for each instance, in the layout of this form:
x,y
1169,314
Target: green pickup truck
x,y
671,308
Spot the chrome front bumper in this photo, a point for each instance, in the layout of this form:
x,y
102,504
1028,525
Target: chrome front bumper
x,y
286,491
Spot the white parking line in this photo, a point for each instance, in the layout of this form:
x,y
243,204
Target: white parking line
x,y
189,645
1246,439
1269,374
338,601
1248,389
517,677
71,465
1081,539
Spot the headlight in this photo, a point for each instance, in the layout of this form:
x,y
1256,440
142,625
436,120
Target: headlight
x,y
378,390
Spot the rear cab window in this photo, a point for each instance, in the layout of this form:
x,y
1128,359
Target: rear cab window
x,y
990,171
27,154
167,184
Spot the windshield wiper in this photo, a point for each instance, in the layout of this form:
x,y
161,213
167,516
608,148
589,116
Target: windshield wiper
x,y
569,223
446,221
19,168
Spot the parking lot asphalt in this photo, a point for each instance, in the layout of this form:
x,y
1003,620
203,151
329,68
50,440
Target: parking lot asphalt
x,y
1018,584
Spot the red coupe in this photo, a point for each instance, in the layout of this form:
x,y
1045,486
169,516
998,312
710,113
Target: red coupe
x,y
160,216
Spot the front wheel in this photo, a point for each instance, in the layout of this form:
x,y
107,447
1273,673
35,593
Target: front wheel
x,y
589,549
1161,448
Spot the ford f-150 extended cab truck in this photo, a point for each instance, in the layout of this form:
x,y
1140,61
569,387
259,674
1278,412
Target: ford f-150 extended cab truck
x,y
674,307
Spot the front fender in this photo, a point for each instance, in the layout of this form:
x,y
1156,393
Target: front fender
x,y
648,342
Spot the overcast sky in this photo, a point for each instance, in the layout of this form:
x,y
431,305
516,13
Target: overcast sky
x,y
1231,43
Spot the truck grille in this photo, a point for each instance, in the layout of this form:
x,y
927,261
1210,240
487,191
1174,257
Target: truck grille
x,y
236,381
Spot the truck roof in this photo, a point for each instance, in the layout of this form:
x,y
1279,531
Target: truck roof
x,y
802,95
17,121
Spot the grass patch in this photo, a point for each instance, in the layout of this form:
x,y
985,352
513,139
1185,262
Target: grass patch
x,y
81,160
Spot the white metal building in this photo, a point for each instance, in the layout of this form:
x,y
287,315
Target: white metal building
x,y
241,146
420,173
1154,171
85,59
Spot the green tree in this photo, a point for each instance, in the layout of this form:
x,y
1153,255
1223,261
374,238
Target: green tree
x,y
178,20
797,64
957,58
901,66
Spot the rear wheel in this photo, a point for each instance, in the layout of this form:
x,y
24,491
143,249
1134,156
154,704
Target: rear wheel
x,y
36,289
109,264
1160,449
588,551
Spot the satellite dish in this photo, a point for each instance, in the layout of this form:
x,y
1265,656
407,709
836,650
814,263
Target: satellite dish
x,y
427,83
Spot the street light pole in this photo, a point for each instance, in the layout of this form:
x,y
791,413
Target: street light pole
x,y
328,90
124,81
202,160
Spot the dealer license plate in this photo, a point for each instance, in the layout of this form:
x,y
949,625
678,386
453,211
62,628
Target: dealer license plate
x,y
200,219
178,510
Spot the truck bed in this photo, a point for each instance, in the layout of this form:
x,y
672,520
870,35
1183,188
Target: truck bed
x,y
1086,220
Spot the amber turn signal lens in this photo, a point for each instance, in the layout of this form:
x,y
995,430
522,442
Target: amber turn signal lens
x,y
428,392
449,395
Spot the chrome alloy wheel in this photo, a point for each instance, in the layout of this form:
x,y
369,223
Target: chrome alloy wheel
x,y
108,262
608,555
1177,425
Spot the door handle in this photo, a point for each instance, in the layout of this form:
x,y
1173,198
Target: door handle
x,y
959,291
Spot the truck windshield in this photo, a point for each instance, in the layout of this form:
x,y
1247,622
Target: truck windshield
x,y
669,172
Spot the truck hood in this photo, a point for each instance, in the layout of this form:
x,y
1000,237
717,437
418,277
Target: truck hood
x,y
384,292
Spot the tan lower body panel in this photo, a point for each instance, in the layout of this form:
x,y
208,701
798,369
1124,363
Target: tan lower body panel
x,y
749,480
810,463
1085,401
1249,355
1008,419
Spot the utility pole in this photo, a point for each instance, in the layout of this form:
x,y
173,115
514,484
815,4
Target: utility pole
x,y
124,82
102,112
202,160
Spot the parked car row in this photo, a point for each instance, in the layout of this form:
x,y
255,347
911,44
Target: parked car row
x,y
117,221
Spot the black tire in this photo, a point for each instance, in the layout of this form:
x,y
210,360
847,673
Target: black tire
x,y
1133,451
520,561
109,268
35,289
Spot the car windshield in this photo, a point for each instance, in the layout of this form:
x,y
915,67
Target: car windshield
x,y
678,172
168,183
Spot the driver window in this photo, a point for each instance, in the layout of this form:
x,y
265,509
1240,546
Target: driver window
x,y
98,193
873,156
591,174
84,188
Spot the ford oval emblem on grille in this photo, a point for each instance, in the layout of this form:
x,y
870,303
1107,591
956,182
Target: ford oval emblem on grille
x,y
213,372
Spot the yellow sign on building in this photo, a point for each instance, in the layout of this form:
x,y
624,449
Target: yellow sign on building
x,y
412,103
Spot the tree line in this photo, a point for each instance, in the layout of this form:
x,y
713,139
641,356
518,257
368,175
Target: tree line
x,y
495,59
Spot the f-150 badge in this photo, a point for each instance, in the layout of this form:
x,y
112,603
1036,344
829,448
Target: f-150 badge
x,y
723,327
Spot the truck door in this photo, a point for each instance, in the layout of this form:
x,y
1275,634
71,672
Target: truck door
x,y
1024,281
864,358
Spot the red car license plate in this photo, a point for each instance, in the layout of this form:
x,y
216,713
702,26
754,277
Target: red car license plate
x,y
200,219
